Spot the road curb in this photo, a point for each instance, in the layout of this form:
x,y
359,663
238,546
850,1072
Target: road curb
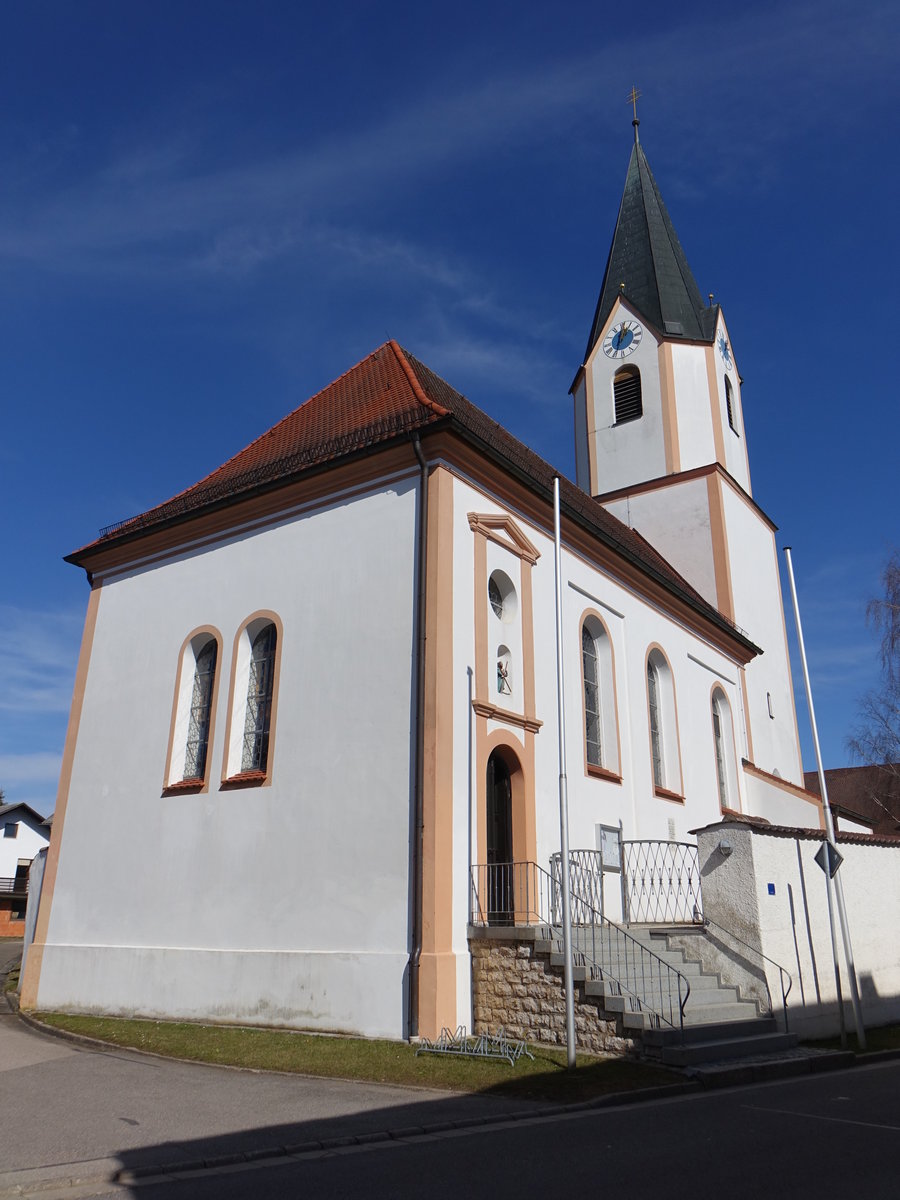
x,y
406,1133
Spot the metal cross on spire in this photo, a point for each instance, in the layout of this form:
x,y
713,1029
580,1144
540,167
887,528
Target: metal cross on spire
x,y
633,96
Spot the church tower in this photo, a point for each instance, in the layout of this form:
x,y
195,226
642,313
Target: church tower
x,y
660,441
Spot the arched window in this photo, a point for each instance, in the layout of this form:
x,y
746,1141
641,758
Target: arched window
x,y
627,395
201,707
260,690
601,742
729,403
194,710
723,740
656,754
592,734
665,757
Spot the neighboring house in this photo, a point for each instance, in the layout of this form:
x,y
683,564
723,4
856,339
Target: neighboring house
x,y
317,692
23,833
863,799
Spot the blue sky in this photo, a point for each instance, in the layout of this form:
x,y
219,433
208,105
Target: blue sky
x,y
210,210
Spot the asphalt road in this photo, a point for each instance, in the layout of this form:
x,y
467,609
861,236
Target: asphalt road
x,y
833,1135
74,1116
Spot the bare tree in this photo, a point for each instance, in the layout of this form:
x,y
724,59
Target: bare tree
x,y
876,738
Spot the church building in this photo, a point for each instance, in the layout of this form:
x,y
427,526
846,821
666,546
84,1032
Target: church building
x,y
315,715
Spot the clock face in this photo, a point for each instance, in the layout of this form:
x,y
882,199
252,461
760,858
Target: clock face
x,y
623,339
724,350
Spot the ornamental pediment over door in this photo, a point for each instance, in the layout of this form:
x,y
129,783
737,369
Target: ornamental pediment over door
x,y
505,532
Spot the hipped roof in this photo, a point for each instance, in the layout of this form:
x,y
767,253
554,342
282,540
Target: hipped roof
x,y
387,397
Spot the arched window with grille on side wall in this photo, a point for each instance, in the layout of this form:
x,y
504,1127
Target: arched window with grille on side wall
x,y
201,708
627,398
601,737
665,754
723,742
193,712
253,701
260,692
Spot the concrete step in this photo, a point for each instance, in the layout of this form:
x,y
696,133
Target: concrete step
x,y
722,1049
717,1013
711,1032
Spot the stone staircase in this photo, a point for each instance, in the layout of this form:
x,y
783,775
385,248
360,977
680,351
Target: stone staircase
x,y
718,1023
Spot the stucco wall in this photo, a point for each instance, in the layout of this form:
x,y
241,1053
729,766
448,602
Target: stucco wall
x,y
759,610
246,904
770,892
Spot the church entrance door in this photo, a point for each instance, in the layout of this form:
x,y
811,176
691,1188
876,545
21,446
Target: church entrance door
x,y
499,841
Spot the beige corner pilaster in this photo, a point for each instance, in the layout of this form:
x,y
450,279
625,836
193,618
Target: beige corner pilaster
x,y
669,409
719,535
437,964
28,997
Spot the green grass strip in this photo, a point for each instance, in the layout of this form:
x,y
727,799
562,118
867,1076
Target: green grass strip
x,y
545,1078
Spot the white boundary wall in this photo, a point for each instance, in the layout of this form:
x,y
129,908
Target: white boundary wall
x,y
770,892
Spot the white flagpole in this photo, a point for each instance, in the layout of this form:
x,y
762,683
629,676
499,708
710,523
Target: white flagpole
x,y
563,794
829,833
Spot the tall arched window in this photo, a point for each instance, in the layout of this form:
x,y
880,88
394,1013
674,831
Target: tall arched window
x,y
723,741
260,689
665,757
627,395
193,712
592,734
601,742
656,754
201,707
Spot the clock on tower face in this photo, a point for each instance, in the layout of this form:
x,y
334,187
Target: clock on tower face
x,y
724,350
623,339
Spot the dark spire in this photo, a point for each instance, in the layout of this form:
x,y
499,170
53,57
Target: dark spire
x,y
647,265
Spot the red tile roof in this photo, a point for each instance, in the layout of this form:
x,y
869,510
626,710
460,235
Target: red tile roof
x,y
387,396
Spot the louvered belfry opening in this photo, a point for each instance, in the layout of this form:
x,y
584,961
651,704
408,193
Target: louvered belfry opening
x,y
627,394
729,404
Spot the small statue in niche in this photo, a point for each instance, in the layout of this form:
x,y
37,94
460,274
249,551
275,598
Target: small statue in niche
x,y
503,685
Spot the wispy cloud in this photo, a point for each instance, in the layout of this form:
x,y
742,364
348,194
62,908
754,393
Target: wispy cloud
x,y
30,779
38,652
159,211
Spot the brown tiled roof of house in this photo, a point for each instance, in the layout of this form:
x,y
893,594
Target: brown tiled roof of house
x,y
800,833
867,794
388,396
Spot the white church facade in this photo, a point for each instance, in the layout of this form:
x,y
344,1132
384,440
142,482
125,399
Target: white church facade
x,y
317,691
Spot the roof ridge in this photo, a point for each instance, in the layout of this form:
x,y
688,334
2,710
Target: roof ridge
x,y
402,358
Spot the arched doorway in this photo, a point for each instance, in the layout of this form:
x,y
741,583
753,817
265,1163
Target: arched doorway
x,y
499,841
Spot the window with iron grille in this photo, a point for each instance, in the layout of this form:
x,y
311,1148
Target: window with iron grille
x,y
259,701
201,706
627,395
590,670
723,740
655,724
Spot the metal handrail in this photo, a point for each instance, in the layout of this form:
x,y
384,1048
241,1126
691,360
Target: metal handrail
x,y
10,886
781,970
524,894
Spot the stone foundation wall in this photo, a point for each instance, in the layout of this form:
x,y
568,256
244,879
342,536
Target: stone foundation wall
x,y
519,991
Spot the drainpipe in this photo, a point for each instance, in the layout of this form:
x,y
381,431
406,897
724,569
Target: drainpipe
x,y
419,785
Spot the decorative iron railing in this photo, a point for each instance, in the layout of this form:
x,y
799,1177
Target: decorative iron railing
x,y
525,894
585,879
661,883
